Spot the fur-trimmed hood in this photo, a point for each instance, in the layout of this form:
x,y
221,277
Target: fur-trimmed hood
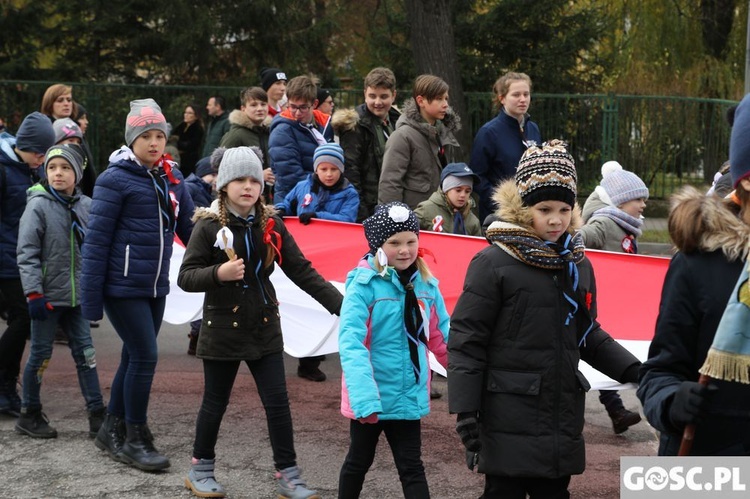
x,y
410,113
212,212
512,210
344,120
709,222
239,118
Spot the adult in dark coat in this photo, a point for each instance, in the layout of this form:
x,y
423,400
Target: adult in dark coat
x,y
190,137
501,141
517,334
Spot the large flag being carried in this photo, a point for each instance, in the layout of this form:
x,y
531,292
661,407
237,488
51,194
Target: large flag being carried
x,y
629,288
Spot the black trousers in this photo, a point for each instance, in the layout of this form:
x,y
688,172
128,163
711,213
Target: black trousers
x,y
503,487
270,379
13,340
405,440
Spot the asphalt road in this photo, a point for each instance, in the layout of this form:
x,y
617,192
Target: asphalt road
x,y
70,466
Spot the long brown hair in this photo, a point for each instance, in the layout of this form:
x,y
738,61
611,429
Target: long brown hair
x,y
51,95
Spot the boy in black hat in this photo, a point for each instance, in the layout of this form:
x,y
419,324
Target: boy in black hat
x,y
273,81
20,156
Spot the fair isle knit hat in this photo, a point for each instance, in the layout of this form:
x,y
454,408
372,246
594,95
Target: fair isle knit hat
x,y
144,115
72,153
239,162
739,143
389,219
622,186
65,128
547,173
329,153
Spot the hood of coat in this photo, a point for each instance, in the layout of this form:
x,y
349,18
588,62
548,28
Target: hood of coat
x,y
344,120
512,210
410,114
239,118
212,212
593,203
720,228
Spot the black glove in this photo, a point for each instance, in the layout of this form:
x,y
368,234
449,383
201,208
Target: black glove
x,y
305,217
467,427
690,403
280,211
38,306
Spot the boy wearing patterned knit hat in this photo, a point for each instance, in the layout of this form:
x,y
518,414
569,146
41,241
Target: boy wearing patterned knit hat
x,y
526,316
49,261
20,157
449,209
325,193
612,217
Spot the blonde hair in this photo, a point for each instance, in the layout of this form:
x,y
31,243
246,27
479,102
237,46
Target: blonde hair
x,y
502,84
260,207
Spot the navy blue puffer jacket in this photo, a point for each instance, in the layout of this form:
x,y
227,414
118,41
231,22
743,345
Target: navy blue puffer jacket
x,y
128,243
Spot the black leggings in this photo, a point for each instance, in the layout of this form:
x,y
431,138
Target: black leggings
x,y
270,379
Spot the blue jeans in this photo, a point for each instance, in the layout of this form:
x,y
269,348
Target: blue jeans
x,y
270,379
81,348
137,322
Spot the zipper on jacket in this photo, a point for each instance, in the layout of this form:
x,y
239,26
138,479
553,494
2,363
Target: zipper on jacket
x,y
127,260
161,235
558,383
72,267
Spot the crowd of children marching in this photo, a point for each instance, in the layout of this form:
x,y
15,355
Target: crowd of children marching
x,y
527,314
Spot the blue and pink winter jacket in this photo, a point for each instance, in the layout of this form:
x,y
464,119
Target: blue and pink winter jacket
x,y
378,377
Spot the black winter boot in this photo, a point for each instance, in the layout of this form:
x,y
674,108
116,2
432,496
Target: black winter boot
x,y
96,419
139,450
111,436
10,402
34,423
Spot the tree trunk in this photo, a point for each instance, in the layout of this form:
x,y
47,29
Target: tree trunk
x,y
434,50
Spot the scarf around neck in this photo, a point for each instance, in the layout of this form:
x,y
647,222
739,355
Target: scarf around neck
x,y
413,322
76,227
628,223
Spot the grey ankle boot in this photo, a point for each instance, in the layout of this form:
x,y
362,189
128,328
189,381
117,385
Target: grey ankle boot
x,y
201,480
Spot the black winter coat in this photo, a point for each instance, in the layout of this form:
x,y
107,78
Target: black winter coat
x,y
512,358
241,319
695,293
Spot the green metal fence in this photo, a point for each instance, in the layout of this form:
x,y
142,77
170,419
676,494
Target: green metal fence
x,y
667,141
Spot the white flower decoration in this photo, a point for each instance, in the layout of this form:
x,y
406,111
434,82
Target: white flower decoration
x,y
398,213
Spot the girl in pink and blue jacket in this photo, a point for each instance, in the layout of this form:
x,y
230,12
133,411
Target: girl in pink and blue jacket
x,y
393,314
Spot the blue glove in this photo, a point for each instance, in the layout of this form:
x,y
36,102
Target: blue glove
x,y
38,306
304,218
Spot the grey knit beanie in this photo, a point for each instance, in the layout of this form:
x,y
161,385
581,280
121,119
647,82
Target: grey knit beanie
x,y
239,162
144,115
65,128
72,153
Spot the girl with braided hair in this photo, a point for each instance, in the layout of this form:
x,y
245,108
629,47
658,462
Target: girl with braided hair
x,y
230,257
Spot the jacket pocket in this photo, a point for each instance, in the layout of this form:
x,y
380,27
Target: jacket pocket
x,y
222,317
519,383
513,403
127,261
582,381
